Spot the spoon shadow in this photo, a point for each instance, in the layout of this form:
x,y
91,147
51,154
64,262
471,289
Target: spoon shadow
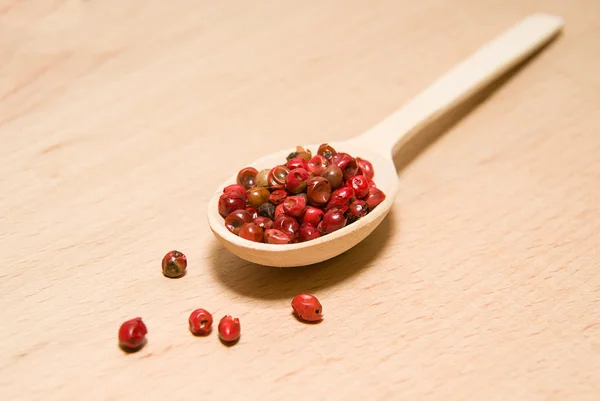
x,y
256,281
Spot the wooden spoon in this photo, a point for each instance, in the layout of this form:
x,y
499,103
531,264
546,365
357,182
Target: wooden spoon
x,y
380,142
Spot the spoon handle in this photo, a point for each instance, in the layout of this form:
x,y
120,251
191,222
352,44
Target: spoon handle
x,y
487,64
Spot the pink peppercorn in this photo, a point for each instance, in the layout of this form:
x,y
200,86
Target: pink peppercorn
x,y
229,329
200,322
132,335
307,307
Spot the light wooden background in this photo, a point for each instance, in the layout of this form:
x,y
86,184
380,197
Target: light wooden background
x,y
118,118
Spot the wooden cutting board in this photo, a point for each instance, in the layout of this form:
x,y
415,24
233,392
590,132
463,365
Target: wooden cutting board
x,y
119,118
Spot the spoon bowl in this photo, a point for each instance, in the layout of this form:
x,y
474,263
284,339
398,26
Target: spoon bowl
x,y
379,144
324,247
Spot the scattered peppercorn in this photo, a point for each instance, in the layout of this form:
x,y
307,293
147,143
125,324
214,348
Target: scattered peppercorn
x,y
307,308
174,264
229,329
132,335
200,322
301,199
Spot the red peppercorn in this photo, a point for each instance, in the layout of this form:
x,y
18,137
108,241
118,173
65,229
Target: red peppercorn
x,y
333,220
318,191
200,322
251,232
132,335
297,162
294,206
327,151
357,210
360,184
312,215
277,176
278,196
247,177
307,307
236,188
346,163
365,168
307,232
341,199
317,165
263,222
333,174
235,220
295,181
230,202
253,212
375,197
288,225
278,211
174,264
274,236
229,329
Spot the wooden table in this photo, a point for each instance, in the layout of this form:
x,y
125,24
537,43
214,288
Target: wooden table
x,y
119,118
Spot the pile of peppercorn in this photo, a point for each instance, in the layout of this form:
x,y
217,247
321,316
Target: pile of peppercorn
x,y
302,199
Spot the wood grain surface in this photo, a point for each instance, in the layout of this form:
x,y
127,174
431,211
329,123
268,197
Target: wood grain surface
x,y
118,118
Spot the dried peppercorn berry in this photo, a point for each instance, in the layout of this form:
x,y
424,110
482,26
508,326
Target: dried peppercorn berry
x,y
317,165
312,215
237,189
307,232
365,168
332,221
346,163
263,222
318,191
257,196
278,211
253,212
277,176
295,181
252,232
357,210
267,210
301,152
237,219
230,202
262,178
229,329
360,185
174,264
247,177
341,199
294,206
375,197
200,322
307,308
297,162
274,236
278,196
326,151
333,174
132,335
288,225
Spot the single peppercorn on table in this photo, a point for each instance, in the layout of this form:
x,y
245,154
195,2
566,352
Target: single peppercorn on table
x,y
119,118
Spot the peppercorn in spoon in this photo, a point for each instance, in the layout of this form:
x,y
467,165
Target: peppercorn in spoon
x,y
377,145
